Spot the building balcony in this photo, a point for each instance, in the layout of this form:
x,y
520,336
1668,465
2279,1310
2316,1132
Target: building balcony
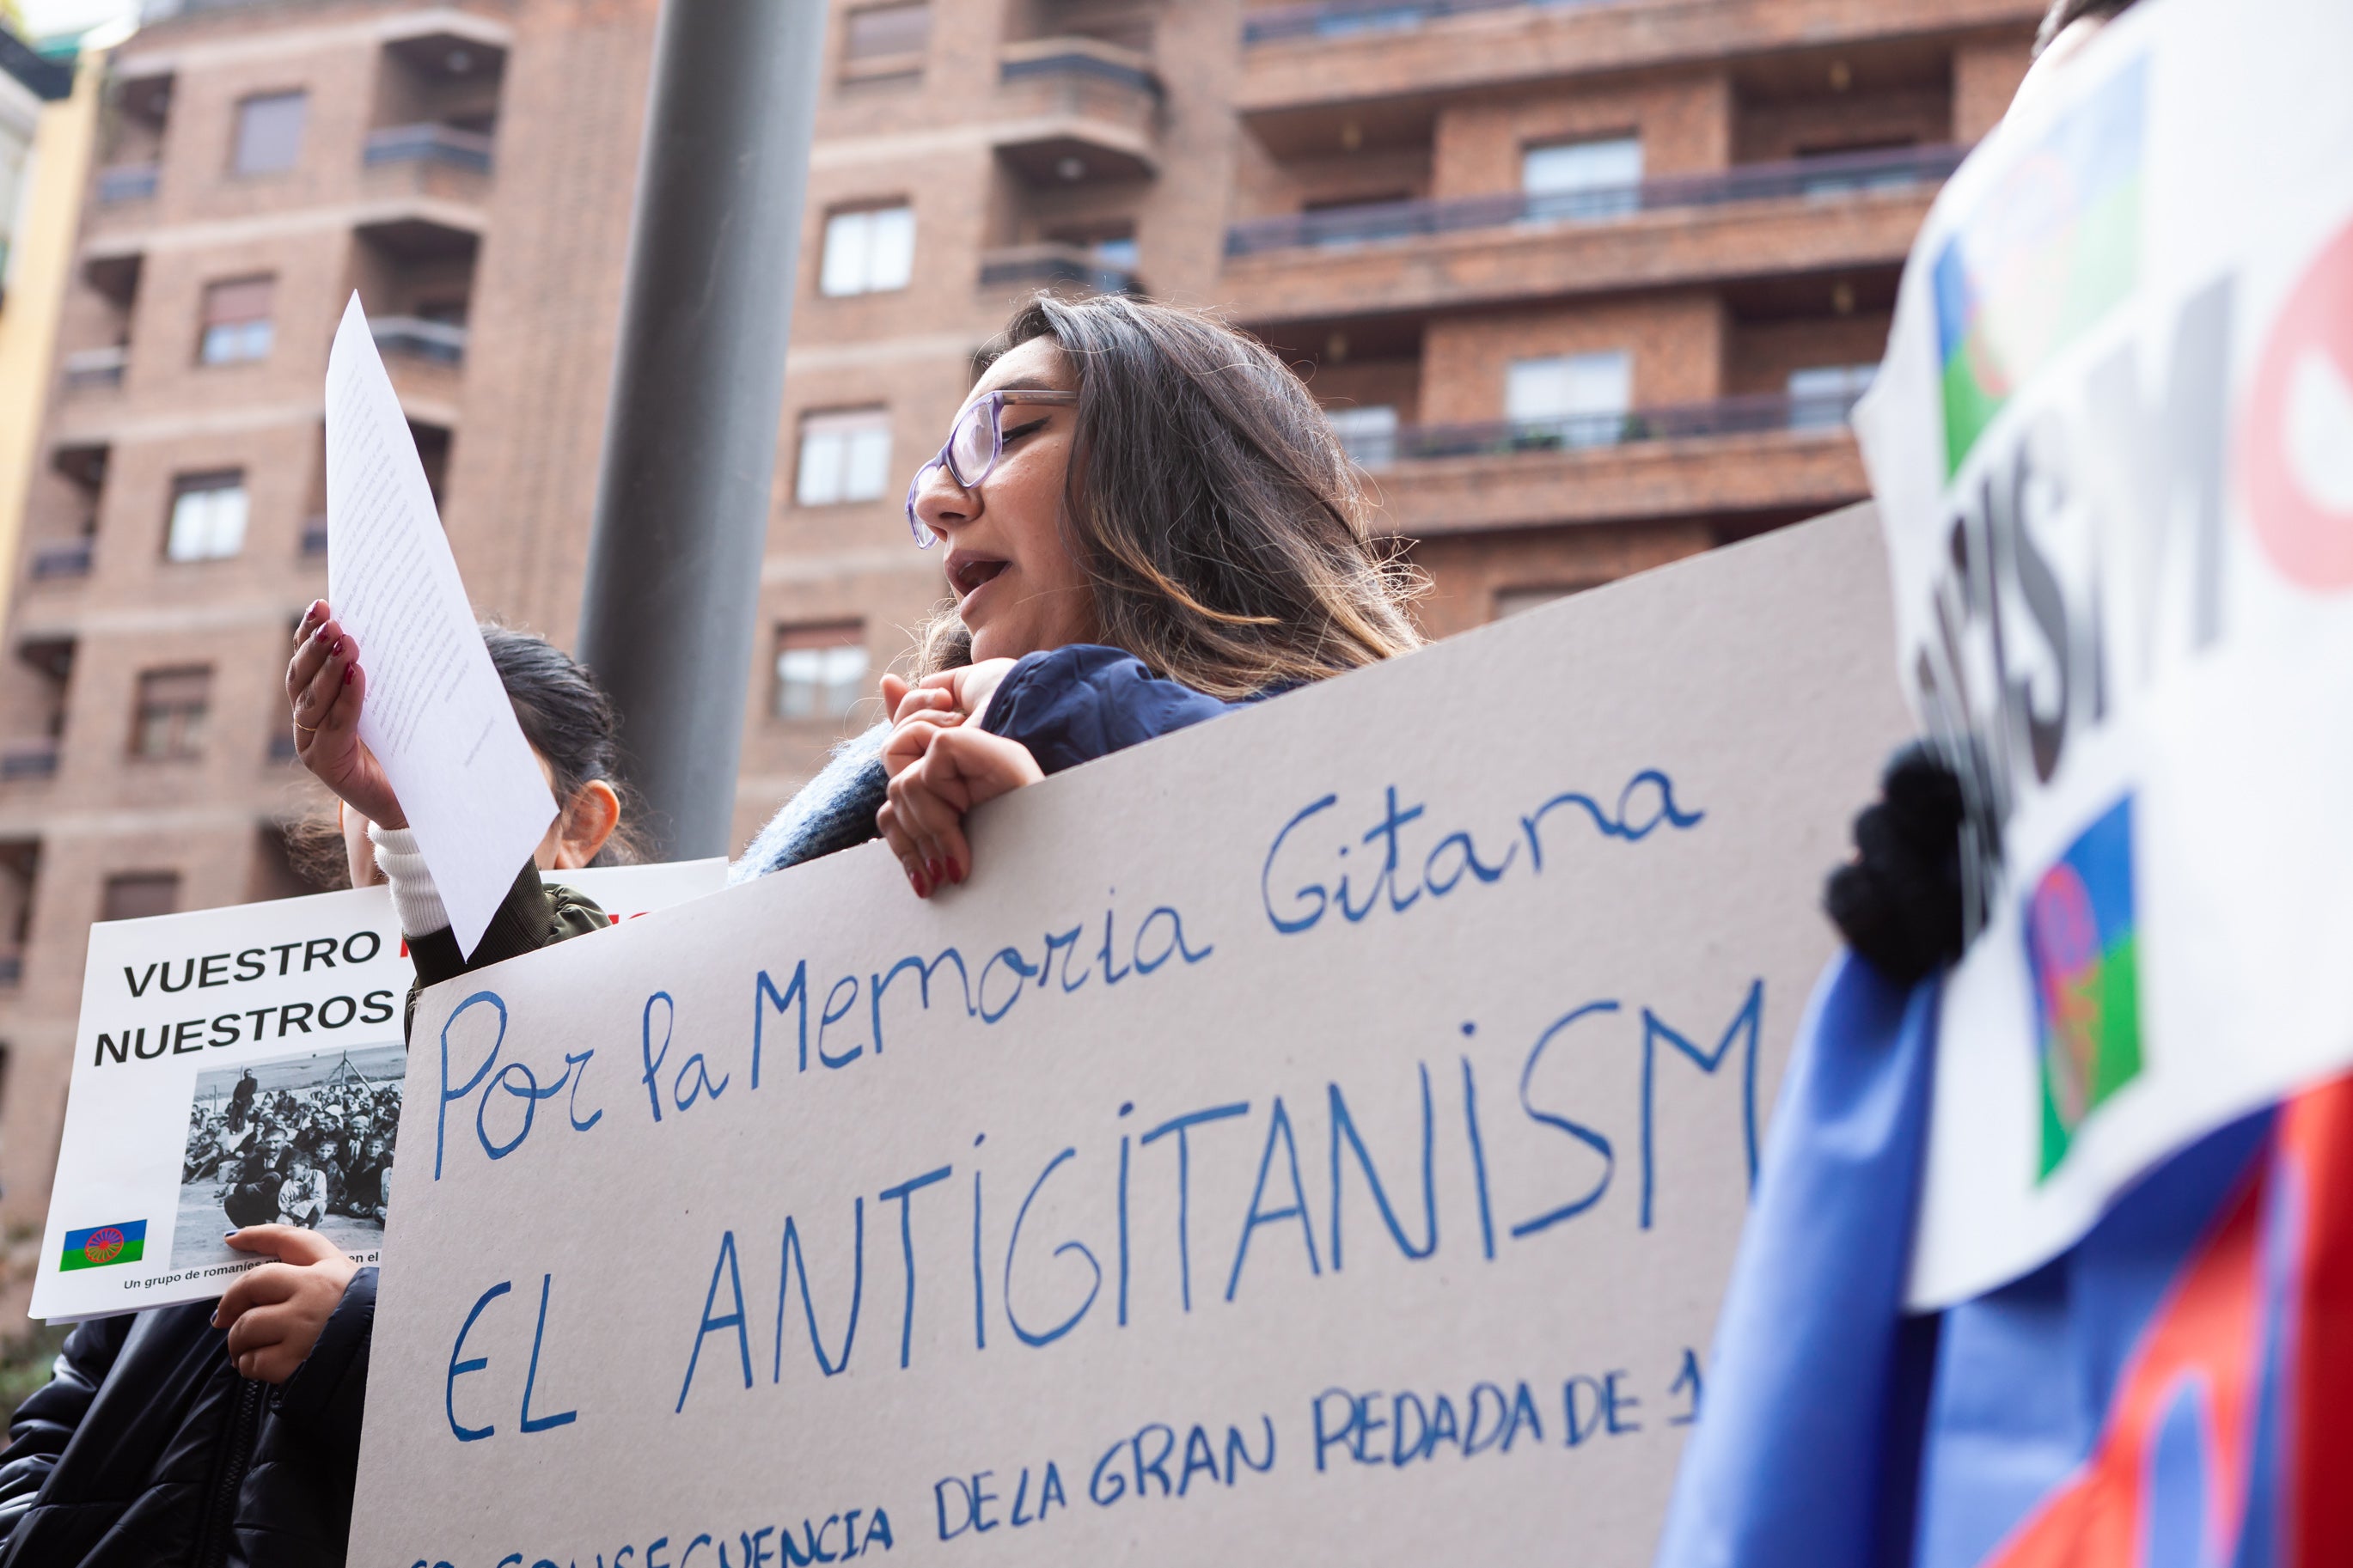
x,y
1073,109
1900,168
126,183
34,758
1338,53
438,342
71,559
1053,266
1765,453
1814,213
428,144
88,370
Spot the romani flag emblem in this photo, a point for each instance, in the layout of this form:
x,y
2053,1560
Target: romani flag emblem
x,y
104,1244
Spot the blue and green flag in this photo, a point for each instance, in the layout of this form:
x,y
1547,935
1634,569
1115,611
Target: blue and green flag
x,y
101,1245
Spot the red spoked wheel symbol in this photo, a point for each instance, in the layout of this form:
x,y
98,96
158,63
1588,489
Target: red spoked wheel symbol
x,y
2064,934
2296,448
104,1246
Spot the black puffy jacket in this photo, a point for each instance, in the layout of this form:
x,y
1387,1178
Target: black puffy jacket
x,y
147,1449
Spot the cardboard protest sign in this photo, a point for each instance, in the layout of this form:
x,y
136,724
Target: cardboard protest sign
x,y
1320,1134
2113,445
243,1066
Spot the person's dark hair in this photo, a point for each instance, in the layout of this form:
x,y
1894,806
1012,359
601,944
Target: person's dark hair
x,y
2065,14
564,715
1219,521
569,721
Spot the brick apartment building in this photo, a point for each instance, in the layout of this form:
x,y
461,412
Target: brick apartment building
x,y
1588,285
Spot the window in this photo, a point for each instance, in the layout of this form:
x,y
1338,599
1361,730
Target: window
x,y
844,457
1583,179
140,894
1368,434
869,251
884,34
171,706
1822,394
237,321
820,671
269,132
1577,400
208,518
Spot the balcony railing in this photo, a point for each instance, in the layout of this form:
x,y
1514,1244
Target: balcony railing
x,y
1079,57
1749,414
29,759
1827,178
126,183
413,335
1050,265
89,368
314,536
1340,18
71,559
429,143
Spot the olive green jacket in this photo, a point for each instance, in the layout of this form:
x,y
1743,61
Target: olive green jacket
x,y
533,915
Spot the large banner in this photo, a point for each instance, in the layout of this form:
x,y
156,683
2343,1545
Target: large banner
x,y
2113,442
1319,1135
243,1066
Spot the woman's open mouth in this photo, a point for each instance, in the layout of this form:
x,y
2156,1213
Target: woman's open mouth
x,y
967,575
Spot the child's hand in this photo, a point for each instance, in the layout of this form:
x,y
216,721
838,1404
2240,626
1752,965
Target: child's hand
x,y
274,1313
326,687
953,771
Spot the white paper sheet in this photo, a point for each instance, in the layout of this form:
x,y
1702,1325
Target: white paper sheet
x,y
437,717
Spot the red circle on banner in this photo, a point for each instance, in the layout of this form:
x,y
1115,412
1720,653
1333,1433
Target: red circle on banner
x,y
2296,443
103,1246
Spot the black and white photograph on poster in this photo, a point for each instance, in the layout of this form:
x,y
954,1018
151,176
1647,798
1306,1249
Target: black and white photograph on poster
x,y
302,1140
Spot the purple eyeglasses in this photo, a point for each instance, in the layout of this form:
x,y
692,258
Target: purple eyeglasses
x,y
972,449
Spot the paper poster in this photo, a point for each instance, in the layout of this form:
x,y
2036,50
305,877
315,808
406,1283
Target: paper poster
x,y
239,1067
2113,447
1319,1135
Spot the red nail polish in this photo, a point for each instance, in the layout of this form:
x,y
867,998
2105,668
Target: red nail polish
x,y
349,671
955,872
322,633
337,647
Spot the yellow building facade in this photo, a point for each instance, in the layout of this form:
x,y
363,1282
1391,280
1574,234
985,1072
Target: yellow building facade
x,y
48,122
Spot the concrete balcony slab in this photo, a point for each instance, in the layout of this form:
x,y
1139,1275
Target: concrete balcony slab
x,y
1762,472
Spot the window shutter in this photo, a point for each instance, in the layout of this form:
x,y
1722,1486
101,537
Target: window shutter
x,y
880,31
242,299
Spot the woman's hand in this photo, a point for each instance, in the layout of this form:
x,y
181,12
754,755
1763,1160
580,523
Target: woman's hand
x,y
937,702
326,687
953,770
274,1313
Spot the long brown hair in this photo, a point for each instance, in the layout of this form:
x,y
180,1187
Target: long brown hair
x,y
1220,524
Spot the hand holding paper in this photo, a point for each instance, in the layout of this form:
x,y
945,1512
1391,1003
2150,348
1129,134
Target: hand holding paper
x,y
434,715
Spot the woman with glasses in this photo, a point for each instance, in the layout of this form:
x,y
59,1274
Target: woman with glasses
x,y
1144,519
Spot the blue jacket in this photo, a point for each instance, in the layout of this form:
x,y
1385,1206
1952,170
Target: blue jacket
x,y
1070,705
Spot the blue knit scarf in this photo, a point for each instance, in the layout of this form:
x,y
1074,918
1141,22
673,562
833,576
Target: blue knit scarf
x,y
833,811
